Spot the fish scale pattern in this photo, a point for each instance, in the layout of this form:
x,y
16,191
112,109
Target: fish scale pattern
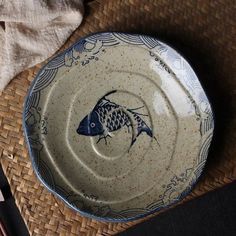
x,y
103,110
116,120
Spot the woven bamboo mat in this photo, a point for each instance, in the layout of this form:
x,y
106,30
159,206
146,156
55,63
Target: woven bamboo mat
x,y
203,30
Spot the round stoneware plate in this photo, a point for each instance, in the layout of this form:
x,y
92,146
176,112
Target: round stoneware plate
x,y
118,126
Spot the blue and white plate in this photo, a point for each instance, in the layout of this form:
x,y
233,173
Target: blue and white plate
x,y
118,126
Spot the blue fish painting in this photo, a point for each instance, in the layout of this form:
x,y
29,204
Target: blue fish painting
x,y
108,116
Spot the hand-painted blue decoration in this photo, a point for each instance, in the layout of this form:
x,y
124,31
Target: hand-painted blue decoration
x,y
108,116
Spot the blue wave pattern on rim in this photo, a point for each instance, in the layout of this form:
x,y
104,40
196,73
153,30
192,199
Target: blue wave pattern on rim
x,y
32,121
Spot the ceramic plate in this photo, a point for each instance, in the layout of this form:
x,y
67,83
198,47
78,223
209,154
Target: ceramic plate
x,y
118,126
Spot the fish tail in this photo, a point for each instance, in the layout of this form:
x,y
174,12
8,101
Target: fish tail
x,y
133,141
156,141
145,129
141,129
148,131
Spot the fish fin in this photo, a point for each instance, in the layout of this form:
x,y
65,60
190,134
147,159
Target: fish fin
x,y
113,91
104,97
137,108
104,136
102,101
136,113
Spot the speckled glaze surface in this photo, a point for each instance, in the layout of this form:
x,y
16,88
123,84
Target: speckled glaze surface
x,y
118,126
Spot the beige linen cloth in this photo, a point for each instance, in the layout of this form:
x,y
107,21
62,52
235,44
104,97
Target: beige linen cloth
x,y
33,30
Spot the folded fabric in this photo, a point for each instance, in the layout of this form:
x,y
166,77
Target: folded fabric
x,y
33,30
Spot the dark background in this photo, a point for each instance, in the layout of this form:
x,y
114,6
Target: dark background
x,y
213,215
9,214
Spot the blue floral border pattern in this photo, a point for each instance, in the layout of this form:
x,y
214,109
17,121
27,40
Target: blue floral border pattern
x,y
83,52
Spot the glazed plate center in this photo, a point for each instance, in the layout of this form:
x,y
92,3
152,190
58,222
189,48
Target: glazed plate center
x,y
115,127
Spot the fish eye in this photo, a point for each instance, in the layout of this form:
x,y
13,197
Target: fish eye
x,y
92,125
